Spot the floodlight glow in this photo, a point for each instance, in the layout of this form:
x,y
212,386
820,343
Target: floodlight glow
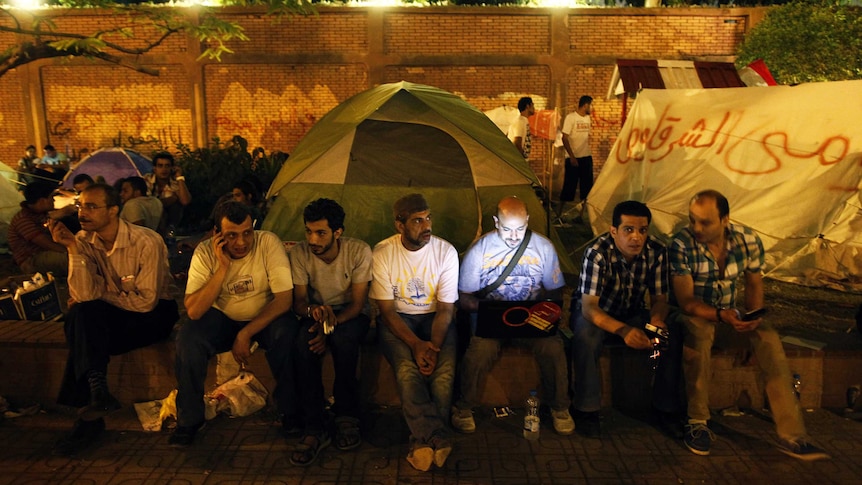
x,y
27,4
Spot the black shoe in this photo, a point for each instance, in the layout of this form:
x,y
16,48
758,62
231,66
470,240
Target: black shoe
x,y
184,436
588,424
83,434
671,424
101,404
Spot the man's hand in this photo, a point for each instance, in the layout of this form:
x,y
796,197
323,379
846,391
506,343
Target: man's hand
x,y
730,316
636,338
241,348
177,171
61,234
220,251
425,355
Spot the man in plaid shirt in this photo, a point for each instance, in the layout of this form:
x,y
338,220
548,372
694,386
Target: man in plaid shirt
x,y
707,258
620,269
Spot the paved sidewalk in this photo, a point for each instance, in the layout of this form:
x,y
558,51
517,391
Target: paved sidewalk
x,y
249,450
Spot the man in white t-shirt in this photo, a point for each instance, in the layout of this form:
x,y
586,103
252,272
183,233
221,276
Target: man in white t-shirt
x,y
519,131
138,207
239,289
331,274
579,155
415,286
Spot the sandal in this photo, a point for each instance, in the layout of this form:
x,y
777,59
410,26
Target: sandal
x,y
347,436
305,452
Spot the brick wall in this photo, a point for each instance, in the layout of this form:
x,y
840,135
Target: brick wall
x,y
273,106
293,71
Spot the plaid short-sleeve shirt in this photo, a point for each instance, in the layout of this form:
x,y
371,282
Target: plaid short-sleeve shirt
x,y
689,257
621,286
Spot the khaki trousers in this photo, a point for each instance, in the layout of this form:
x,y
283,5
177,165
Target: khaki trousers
x,y
700,335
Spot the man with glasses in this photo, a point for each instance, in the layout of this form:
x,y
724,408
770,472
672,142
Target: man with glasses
x,y
117,304
240,290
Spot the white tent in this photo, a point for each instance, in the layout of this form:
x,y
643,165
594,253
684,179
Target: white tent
x,y
789,160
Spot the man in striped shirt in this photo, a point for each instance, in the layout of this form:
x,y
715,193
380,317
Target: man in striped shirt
x,y
707,259
620,269
30,241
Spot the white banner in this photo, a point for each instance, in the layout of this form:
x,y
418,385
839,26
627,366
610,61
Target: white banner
x,y
789,160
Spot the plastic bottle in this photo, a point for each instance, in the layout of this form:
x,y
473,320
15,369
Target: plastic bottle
x,y
531,417
797,385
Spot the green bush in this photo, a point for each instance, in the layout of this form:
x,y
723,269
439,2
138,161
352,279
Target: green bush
x,y
807,41
212,171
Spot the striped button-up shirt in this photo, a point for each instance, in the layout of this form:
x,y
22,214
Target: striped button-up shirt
x,y
689,257
621,286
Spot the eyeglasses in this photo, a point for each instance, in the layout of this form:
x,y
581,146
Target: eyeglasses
x,y
88,207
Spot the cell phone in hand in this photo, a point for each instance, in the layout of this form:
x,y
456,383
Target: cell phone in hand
x,y
656,330
753,315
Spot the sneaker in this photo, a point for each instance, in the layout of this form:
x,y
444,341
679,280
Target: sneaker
x,y
84,434
698,438
462,420
421,457
442,450
588,424
802,450
101,404
563,422
184,436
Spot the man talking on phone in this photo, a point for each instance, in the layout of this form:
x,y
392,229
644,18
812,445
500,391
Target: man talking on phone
x,y
240,290
707,259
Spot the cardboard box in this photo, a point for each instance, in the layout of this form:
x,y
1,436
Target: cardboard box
x,y
43,303
8,310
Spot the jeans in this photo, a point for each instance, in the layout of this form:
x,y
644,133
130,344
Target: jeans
x,y
769,352
425,400
587,349
96,330
483,352
214,333
344,344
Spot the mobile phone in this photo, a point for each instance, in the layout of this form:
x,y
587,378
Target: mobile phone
x,y
656,330
753,315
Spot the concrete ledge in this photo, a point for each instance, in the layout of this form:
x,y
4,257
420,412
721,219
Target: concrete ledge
x,y
33,356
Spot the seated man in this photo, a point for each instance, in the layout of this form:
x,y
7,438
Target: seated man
x,y
620,269
535,276
415,287
239,289
117,304
168,184
331,275
707,258
138,207
30,240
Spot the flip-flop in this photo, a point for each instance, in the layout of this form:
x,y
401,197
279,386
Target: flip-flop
x,y
347,435
308,453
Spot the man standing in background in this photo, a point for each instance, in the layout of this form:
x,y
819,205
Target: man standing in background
x,y
579,158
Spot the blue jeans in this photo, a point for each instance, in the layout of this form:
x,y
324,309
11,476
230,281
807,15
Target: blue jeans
x,y
344,343
425,400
214,333
587,349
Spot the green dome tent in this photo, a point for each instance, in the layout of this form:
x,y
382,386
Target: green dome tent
x,y
402,138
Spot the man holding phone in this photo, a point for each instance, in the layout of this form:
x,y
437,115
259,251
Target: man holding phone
x,y
621,269
240,289
707,258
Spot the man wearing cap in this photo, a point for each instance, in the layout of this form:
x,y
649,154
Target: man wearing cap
x,y
536,275
415,286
